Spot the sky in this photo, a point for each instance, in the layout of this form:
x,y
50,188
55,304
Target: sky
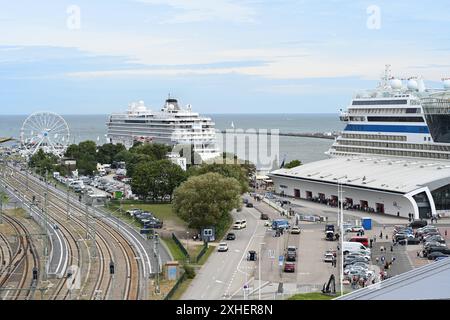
x,y
220,56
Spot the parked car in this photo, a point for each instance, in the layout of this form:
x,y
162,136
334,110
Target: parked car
x,y
363,240
295,230
418,224
437,254
410,241
292,249
441,258
223,247
231,236
291,256
329,235
354,229
289,266
267,223
249,205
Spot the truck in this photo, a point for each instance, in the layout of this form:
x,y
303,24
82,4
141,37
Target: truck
x,y
280,223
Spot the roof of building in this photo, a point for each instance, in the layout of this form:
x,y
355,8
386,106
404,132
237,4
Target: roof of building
x,y
401,175
427,282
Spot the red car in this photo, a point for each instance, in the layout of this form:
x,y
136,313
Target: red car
x,y
289,267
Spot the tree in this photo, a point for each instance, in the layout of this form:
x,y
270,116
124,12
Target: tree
x,y
155,151
107,152
85,153
156,179
293,164
43,162
227,170
207,199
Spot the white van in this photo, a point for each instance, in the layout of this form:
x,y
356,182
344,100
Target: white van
x,y
354,247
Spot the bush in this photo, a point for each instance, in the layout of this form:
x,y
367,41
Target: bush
x,y
190,271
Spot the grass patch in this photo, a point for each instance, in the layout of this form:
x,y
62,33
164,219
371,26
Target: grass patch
x,y
181,289
206,255
175,250
314,296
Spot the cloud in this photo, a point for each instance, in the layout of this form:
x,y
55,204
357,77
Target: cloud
x,y
205,10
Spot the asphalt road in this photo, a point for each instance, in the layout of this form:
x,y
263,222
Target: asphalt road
x,y
226,272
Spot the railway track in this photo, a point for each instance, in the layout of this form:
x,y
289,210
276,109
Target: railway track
x,y
104,244
19,271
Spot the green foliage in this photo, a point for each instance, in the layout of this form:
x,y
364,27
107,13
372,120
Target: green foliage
x,y
43,162
4,197
190,271
293,164
156,179
235,171
85,154
155,151
207,199
107,152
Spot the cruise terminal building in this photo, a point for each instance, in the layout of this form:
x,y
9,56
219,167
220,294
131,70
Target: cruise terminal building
x,y
391,186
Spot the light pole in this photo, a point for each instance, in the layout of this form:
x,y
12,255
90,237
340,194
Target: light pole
x,y
341,222
259,269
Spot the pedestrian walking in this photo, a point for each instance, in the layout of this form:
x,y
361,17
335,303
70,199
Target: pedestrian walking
x,y
381,234
387,238
392,248
376,260
445,233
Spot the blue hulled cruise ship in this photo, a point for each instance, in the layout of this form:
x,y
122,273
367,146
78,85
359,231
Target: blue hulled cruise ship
x,y
397,119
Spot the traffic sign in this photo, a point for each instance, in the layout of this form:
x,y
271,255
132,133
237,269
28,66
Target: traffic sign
x,y
280,260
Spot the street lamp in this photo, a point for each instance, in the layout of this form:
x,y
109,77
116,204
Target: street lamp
x,y
259,269
341,223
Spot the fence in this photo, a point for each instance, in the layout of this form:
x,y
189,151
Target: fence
x,y
175,287
201,253
180,246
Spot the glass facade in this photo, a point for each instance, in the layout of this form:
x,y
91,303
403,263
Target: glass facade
x,y
441,198
423,204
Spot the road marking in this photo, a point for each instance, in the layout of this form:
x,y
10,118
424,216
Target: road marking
x,y
218,281
236,250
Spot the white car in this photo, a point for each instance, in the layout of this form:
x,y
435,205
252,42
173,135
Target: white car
x,y
223,247
328,257
267,224
240,224
354,229
295,230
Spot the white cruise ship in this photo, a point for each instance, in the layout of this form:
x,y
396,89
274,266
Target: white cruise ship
x,y
172,125
400,118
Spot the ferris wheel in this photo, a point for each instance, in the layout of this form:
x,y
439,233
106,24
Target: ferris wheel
x,y
47,131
